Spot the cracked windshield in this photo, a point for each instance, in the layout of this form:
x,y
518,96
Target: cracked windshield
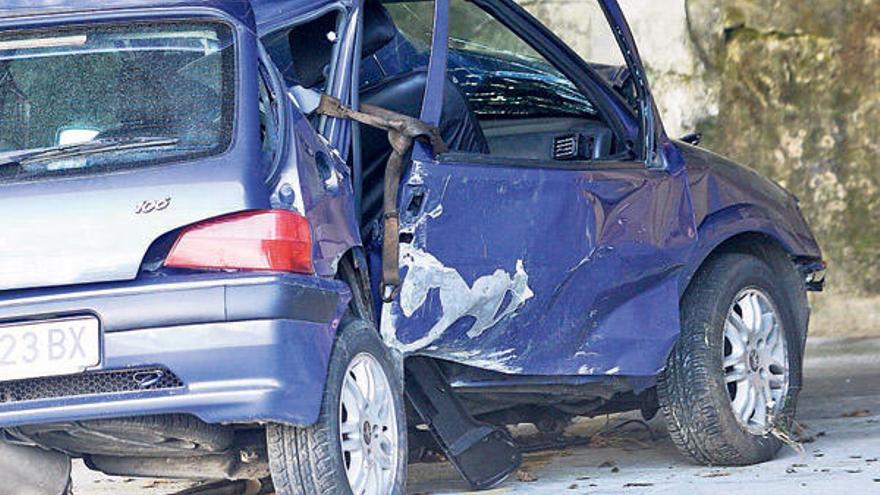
x,y
501,75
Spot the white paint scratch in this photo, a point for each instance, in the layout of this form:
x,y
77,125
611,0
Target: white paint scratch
x,y
435,213
586,370
493,361
482,301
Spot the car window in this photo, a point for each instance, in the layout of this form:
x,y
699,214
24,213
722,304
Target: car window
x,y
501,75
415,20
502,96
269,123
106,83
304,53
585,29
408,49
582,26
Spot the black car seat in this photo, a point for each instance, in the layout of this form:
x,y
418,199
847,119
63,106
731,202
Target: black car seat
x,y
403,93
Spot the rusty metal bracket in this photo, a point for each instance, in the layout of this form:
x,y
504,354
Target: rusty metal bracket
x,y
402,130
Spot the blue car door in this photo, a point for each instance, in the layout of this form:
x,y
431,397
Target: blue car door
x,y
539,266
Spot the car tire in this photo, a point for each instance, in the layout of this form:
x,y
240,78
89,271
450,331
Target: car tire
x,y
314,460
728,358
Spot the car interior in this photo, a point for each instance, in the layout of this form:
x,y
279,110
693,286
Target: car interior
x,y
522,106
502,99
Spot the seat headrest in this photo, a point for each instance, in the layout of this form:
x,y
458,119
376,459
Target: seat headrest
x,y
379,28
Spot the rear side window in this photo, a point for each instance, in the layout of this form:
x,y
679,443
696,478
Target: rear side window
x,y
269,123
304,53
105,97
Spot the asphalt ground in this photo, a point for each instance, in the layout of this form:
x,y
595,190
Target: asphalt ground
x,y
839,413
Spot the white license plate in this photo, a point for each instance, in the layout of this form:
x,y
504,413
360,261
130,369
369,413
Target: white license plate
x,y
49,348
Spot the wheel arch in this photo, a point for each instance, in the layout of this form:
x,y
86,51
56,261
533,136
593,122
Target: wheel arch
x,y
748,229
761,244
354,271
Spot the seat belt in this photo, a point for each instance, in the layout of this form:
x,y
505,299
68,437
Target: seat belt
x,y
402,130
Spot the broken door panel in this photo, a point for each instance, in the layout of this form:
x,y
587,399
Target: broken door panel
x,y
541,271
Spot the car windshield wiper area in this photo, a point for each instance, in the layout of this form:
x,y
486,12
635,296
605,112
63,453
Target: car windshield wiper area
x,y
100,145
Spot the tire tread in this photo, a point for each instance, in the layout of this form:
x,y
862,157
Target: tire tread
x,y
307,460
686,389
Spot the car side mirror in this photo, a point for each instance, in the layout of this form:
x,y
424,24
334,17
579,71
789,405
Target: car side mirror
x,y
694,138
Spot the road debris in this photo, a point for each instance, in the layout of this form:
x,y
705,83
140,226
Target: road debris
x,y
526,476
715,474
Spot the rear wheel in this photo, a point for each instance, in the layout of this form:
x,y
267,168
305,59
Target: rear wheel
x,y
731,383
358,445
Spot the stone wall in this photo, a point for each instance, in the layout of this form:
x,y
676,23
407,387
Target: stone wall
x,y
792,89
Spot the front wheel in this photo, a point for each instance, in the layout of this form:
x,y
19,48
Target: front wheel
x,y
358,445
730,387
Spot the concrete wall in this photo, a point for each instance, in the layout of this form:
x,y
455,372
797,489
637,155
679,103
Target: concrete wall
x,y
790,88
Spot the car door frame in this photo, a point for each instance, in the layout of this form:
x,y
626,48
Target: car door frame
x,y
650,160
645,130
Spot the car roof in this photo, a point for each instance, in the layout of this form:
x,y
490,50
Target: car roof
x,y
266,14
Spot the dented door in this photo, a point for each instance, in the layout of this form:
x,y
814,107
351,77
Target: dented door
x,y
541,271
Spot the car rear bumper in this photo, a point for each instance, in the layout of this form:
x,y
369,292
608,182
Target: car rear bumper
x,y
225,348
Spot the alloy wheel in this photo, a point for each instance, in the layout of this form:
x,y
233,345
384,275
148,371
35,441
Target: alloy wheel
x,y
368,427
755,360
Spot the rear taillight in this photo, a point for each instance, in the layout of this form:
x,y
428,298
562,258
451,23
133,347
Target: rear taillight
x,y
276,240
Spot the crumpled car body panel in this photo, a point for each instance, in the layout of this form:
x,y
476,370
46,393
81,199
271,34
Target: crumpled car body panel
x,y
541,271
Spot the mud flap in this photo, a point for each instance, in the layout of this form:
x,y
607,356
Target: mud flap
x,y
483,454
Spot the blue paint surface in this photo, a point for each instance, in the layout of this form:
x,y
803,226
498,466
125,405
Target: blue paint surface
x,y
603,250
608,248
271,367
234,372
265,15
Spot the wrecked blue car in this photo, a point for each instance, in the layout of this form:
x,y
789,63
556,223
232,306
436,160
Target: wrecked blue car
x,y
297,241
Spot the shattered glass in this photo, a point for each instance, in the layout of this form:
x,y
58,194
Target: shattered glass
x,y
503,76
106,82
500,74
